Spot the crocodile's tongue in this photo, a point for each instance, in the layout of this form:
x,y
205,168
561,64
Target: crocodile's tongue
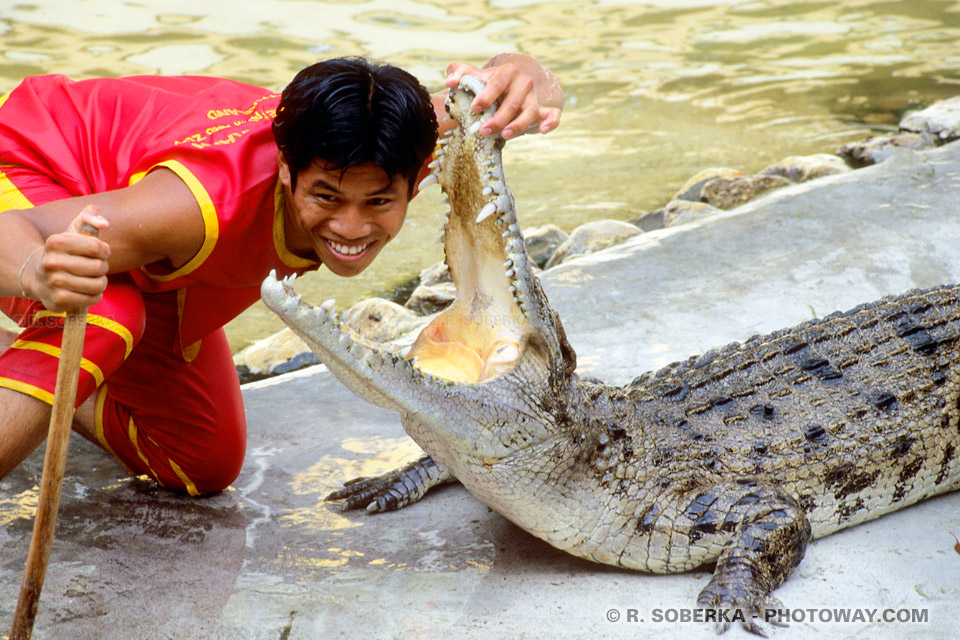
x,y
454,356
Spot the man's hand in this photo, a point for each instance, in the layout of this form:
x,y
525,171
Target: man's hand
x,y
529,94
70,270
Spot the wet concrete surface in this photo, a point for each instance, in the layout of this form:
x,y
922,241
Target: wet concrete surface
x,y
269,559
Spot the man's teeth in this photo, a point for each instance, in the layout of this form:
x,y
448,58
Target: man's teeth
x,y
347,251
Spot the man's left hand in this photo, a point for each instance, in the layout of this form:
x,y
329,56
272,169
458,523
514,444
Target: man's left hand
x,y
529,95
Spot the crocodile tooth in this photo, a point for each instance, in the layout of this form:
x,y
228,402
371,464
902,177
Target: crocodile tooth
x,y
487,191
474,127
327,305
488,210
434,164
431,179
508,263
510,273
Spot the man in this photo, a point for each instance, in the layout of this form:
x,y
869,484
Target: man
x,y
199,187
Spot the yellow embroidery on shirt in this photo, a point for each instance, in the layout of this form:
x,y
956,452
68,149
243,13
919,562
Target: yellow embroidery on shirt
x,y
255,113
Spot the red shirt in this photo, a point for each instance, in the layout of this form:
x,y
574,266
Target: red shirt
x,y
98,135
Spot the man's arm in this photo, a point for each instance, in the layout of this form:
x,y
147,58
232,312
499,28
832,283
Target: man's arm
x,y
530,95
43,255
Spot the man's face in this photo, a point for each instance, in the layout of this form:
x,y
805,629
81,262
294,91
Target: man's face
x,y
344,218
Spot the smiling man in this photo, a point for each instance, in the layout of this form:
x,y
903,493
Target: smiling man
x,y
344,218
199,187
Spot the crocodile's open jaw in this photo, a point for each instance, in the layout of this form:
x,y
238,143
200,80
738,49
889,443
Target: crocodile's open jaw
x,y
500,313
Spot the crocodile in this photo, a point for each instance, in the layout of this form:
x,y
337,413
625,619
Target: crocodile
x,y
736,458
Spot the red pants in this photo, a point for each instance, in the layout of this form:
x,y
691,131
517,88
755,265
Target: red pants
x,y
181,423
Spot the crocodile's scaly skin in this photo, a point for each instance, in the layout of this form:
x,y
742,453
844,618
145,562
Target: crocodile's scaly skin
x,y
738,457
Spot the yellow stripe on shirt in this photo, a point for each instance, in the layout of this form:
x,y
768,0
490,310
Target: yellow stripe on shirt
x,y
10,196
279,233
211,226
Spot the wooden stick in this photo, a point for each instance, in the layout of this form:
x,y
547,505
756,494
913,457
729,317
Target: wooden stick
x,y
54,463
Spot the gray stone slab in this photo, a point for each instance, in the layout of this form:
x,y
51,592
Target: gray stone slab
x,y
268,559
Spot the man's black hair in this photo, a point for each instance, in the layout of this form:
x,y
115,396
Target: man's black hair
x,y
349,111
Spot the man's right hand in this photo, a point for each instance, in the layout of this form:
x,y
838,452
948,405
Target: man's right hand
x,y
70,270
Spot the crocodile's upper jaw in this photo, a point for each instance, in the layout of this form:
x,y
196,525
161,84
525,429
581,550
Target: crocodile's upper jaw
x,y
500,318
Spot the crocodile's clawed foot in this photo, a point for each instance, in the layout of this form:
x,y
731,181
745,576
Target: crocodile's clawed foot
x,y
767,544
748,607
392,490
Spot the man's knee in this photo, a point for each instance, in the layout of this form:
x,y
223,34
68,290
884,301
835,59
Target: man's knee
x,y
221,465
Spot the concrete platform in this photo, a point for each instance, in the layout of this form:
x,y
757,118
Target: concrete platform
x,y
268,559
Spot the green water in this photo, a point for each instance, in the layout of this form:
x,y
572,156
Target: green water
x,y
655,91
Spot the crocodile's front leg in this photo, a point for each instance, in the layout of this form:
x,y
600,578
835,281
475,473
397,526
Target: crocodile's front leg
x,y
770,536
395,489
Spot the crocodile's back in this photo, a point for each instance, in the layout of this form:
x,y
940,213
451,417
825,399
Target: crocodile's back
x,y
855,414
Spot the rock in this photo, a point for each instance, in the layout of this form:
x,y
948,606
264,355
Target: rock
x,y
727,193
676,212
874,150
590,237
649,220
692,189
803,168
681,211
542,241
435,274
273,355
941,120
378,319
428,299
